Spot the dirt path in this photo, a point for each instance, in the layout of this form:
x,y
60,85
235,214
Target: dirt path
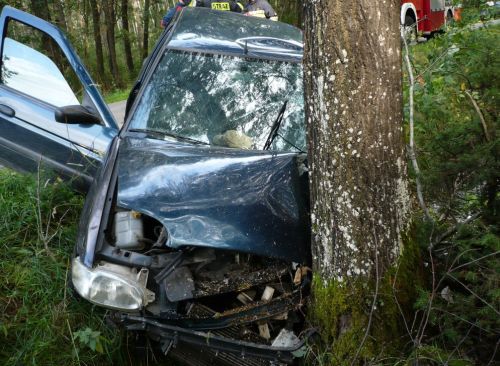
x,y
118,110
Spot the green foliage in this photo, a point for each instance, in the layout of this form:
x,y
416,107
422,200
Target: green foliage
x,y
479,10
37,313
116,96
459,154
90,338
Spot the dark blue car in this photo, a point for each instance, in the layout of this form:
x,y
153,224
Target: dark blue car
x,y
195,228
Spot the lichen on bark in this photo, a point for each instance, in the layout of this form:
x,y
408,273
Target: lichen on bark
x,y
360,200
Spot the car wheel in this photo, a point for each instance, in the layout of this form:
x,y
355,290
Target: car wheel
x,y
410,30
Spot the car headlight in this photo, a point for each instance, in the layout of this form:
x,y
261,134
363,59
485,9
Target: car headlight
x,y
112,286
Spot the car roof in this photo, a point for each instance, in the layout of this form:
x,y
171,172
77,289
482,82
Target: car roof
x,y
223,32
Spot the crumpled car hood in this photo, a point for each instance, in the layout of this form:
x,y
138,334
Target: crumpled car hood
x,y
246,201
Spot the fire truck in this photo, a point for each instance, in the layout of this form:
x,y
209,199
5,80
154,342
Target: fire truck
x,y
429,15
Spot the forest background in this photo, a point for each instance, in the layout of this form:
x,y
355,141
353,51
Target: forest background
x,y
113,37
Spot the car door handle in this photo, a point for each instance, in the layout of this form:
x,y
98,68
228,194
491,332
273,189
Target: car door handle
x,y
6,110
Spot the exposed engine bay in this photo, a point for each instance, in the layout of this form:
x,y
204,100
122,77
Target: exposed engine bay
x,y
240,297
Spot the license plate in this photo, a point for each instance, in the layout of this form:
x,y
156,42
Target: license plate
x,y
221,6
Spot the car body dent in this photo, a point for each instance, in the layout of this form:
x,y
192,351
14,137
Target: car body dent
x,y
248,201
93,218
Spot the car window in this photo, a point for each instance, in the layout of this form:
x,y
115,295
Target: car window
x,y
224,100
33,63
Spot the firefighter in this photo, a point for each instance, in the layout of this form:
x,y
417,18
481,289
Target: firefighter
x,y
171,12
228,5
261,9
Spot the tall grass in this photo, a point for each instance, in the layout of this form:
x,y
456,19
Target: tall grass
x,y
40,319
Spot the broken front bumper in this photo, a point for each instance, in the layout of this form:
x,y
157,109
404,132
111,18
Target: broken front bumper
x,y
171,336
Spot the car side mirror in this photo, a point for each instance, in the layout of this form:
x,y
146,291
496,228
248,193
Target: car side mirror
x,y
76,114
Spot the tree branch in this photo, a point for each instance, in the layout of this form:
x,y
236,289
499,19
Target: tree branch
x,y
41,234
480,114
474,261
412,153
453,230
474,294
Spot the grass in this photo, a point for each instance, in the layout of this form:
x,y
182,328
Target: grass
x,y
41,322
116,95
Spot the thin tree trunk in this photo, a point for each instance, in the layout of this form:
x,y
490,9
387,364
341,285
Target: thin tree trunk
x,y
97,38
145,41
299,9
86,27
126,36
59,15
110,17
40,8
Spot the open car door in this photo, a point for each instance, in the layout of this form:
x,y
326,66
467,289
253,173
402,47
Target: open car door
x,y
51,113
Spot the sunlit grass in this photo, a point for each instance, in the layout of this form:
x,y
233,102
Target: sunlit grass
x,y
116,96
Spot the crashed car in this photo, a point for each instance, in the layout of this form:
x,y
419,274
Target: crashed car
x,y
195,228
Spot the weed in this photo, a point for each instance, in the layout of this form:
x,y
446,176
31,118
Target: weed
x,y
37,313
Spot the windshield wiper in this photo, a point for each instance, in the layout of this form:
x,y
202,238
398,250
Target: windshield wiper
x,y
169,134
276,127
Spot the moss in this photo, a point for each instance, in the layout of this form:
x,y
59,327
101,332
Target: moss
x,y
342,309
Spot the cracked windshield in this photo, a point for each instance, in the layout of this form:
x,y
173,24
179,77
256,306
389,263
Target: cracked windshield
x,y
225,101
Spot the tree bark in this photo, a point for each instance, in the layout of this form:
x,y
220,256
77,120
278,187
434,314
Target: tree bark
x,y
110,17
360,202
59,16
145,41
126,36
40,8
86,27
97,38
359,194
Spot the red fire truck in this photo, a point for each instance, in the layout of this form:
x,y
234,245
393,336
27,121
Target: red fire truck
x,y
430,15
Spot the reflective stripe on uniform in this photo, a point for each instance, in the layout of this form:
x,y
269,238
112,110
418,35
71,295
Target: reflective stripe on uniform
x,y
257,13
221,6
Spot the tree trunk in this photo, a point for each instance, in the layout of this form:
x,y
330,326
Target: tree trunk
x,y
356,143
60,17
86,27
110,17
40,8
126,36
358,174
299,9
97,38
145,41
